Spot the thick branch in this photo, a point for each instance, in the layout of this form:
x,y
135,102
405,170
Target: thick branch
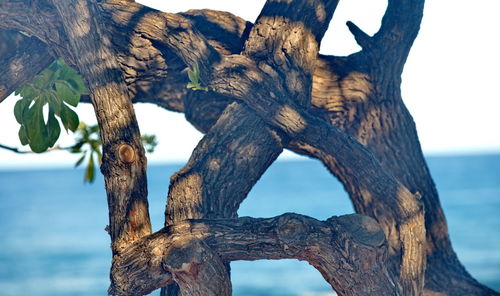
x,y
346,89
223,168
123,162
22,58
400,26
260,85
349,251
384,197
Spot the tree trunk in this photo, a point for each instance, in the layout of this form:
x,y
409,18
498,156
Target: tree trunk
x,y
268,90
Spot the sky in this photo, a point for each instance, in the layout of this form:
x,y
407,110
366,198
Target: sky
x,y
448,82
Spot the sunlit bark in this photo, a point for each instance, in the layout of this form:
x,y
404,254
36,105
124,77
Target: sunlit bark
x,y
268,90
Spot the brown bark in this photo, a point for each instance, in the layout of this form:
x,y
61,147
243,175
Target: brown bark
x,y
349,251
21,57
123,161
358,94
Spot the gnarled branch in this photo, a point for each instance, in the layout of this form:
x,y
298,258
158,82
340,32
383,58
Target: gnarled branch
x,y
349,251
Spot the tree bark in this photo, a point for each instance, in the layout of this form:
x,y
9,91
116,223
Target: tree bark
x,y
21,57
359,95
123,161
349,251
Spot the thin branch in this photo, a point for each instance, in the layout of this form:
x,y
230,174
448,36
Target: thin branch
x,y
17,150
14,149
399,28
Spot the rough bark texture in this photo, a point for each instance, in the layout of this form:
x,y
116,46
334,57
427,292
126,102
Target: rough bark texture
x,y
21,57
269,89
123,161
223,168
349,251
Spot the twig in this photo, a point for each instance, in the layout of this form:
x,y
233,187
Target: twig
x,y
16,150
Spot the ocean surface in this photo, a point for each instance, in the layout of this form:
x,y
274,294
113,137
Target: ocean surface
x,y
52,238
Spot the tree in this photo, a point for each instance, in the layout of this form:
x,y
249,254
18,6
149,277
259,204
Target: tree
x,y
254,89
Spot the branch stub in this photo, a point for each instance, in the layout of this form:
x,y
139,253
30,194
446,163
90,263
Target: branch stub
x,y
126,153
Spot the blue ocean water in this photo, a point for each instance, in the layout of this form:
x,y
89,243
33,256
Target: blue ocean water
x,y
52,238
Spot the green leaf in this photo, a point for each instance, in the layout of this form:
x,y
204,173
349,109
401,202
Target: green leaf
x,y
94,129
44,97
77,148
95,144
67,94
59,86
53,130
36,129
20,108
90,171
99,155
149,142
78,85
55,104
74,80
196,69
23,137
69,118
80,160
42,80
28,92
192,77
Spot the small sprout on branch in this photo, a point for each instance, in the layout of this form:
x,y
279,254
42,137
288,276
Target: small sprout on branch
x,y
194,78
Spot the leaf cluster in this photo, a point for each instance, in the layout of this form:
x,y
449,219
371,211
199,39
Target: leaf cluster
x,y
58,87
53,93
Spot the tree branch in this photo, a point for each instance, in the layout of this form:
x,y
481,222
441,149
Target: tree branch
x,y
349,251
400,26
223,168
123,161
347,91
363,39
22,58
256,78
16,150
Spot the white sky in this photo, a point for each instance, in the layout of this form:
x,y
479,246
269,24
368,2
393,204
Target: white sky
x,y
448,84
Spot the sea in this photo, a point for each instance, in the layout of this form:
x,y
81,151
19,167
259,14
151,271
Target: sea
x,y
53,242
